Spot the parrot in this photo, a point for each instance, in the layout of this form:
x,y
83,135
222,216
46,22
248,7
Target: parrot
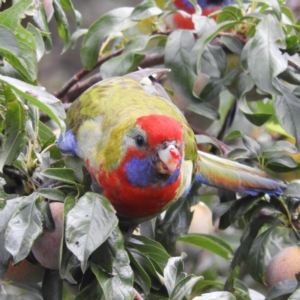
x,y
141,152
179,21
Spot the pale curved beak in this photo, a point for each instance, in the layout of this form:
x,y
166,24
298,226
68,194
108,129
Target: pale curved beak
x,y
170,159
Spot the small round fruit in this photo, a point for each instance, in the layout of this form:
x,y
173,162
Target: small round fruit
x,y
24,272
284,265
46,249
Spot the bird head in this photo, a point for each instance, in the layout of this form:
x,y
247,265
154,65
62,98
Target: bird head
x,y
154,150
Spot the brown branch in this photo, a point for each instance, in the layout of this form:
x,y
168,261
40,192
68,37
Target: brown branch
x,y
82,73
79,87
223,147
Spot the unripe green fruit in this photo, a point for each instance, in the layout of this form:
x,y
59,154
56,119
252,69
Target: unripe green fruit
x,y
47,247
284,265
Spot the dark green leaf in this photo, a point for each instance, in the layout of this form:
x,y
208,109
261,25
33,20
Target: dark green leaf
x,y
216,295
52,194
271,61
252,145
52,285
256,258
282,288
114,21
287,108
145,263
146,9
233,44
233,135
177,58
213,244
9,42
40,46
150,248
14,137
172,272
183,287
68,5
43,100
110,264
88,225
62,24
24,227
140,275
61,174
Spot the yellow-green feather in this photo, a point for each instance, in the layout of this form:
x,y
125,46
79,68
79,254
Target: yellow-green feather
x,y
121,98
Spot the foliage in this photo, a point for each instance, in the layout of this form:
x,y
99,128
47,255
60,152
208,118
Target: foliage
x,y
246,55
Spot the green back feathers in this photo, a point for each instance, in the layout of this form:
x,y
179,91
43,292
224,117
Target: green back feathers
x,y
120,102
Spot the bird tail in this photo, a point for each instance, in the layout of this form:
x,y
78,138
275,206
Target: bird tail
x,y
230,175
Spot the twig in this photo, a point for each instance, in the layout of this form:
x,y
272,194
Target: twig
x,y
62,92
14,173
79,87
223,147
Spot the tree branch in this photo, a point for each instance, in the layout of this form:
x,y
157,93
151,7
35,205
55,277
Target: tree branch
x,y
82,73
77,88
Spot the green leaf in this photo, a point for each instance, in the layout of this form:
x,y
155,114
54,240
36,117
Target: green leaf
x,y
9,42
14,137
132,55
62,24
114,21
40,19
88,225
38,97
172,272
7,211
39,42
287,108
68,5
257,119
252,145
216,295
293,189
177,58
146,9
233,135
52,194
183,287
211,243
207,37
271,61
146,264
256,258
23,228
110,264
61,174
5,256
233,44
140,275
295,295
281,159
151,249
11,16
204,109
284,287
274,4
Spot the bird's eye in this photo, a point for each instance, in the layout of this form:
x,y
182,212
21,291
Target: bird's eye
x,y
140,141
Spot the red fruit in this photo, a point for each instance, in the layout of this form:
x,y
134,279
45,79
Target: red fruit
x,y
284,265
24,272
46,249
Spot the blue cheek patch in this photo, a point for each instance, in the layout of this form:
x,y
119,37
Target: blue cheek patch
x,y
67,144
141,172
